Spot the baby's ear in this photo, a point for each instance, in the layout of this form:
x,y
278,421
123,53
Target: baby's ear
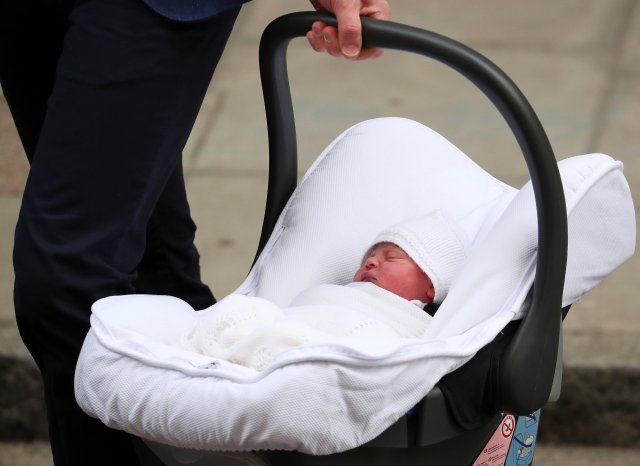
x,y
431,293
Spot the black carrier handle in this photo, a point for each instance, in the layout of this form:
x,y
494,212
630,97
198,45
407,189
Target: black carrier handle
x,y
528,366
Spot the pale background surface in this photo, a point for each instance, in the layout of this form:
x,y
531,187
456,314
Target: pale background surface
x,y
577,61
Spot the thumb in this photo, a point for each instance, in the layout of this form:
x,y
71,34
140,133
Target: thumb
x,y
349,27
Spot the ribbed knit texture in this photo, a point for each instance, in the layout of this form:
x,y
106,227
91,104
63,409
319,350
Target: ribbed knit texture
x,y
436,243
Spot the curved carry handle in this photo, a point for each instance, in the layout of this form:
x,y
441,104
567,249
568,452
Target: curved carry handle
x,y
528,366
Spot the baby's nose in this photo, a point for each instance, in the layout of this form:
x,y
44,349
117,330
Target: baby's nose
x,y
371,262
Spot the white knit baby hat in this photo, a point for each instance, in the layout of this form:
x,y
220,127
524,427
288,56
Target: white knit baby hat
x,y
436,243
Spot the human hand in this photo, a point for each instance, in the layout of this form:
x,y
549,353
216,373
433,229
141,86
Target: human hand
x,y
346,40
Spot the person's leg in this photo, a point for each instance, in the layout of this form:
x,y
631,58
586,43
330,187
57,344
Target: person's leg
x,y
28,65
127,90
27,70
171,263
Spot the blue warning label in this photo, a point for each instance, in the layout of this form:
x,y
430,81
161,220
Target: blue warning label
x,y
524,440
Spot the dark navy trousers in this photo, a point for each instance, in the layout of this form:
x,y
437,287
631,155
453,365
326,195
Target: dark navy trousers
x,y
104,94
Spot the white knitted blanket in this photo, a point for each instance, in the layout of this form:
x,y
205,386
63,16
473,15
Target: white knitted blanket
x,y
252,331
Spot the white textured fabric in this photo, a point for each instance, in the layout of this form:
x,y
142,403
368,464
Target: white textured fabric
x,y
252,331
435,243
326,398
376,174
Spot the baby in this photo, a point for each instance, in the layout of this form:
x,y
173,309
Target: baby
x,y
417,259
388,266
408,266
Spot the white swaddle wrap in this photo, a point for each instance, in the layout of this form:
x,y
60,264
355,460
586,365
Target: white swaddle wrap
x,y
323,398
251,331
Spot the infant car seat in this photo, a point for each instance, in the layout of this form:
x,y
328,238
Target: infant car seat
x,y
530,362
510,379
529,352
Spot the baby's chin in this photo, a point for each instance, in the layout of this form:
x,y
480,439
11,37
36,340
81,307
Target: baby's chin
x,y
395,292
364,280
373,281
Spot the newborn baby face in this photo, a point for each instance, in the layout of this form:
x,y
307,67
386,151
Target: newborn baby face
x,y
389,267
